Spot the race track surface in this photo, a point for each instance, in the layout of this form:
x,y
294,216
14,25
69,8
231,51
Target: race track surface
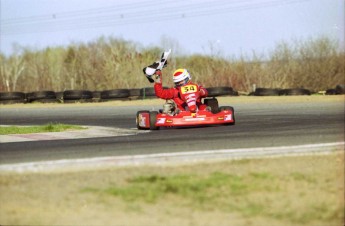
x,y
259,124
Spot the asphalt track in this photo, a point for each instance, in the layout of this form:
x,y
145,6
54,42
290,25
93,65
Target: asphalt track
x,y
257,125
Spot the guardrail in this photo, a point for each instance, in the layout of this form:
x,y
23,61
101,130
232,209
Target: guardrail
x,y
81,96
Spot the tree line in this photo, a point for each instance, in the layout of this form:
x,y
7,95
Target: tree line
x,y
111,63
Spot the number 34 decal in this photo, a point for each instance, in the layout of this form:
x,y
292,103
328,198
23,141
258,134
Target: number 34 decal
x,y
189,89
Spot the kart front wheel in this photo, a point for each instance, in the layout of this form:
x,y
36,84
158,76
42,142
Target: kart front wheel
x,y
140,120
153,119
229,108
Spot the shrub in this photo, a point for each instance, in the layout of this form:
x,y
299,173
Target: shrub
x,y
109,63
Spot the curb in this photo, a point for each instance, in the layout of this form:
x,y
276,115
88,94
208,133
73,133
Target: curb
x,y
89,132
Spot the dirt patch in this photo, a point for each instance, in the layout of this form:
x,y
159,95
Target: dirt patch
x,y
303,190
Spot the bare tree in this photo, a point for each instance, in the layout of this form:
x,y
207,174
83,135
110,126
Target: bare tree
x,y
11,70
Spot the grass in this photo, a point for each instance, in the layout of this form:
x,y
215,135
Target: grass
x,y
51,127
299,191
296,190
192,187
228,192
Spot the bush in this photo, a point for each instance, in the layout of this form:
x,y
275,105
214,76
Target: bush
x,y
109,63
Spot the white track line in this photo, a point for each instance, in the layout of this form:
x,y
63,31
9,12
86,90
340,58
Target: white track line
x,y
176,157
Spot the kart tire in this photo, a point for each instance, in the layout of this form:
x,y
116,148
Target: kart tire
x,y
153,119
12,96
75,95
233,113
340,89
213,103
295,92
134,94
147,92
331,92
42,96
221,91
137,120
266,92
114,94
96,94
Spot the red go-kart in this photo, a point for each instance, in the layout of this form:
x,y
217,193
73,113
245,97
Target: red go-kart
x,y
169,116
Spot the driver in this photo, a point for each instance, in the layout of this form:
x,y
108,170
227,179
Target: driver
x,y
186,94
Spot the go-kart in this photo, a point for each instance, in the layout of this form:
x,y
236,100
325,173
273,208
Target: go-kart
x,y
169,116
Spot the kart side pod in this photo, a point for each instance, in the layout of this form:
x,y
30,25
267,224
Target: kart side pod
x,y
152,120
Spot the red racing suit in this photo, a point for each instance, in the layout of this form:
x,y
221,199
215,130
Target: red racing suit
x,y
186,97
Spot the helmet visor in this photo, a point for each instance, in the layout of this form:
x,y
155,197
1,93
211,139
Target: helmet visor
x,y
182,82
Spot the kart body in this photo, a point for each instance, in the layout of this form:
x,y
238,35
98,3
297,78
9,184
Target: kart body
x,y
213,115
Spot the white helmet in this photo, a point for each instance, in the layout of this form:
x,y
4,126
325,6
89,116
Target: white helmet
x,y
181,75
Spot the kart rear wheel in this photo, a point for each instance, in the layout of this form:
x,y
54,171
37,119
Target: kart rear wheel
x,y
213,103
137,120
153,119
229,108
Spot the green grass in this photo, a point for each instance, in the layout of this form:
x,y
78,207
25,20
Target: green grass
x,y
51,127
289,191
195,188
192,187
252,194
